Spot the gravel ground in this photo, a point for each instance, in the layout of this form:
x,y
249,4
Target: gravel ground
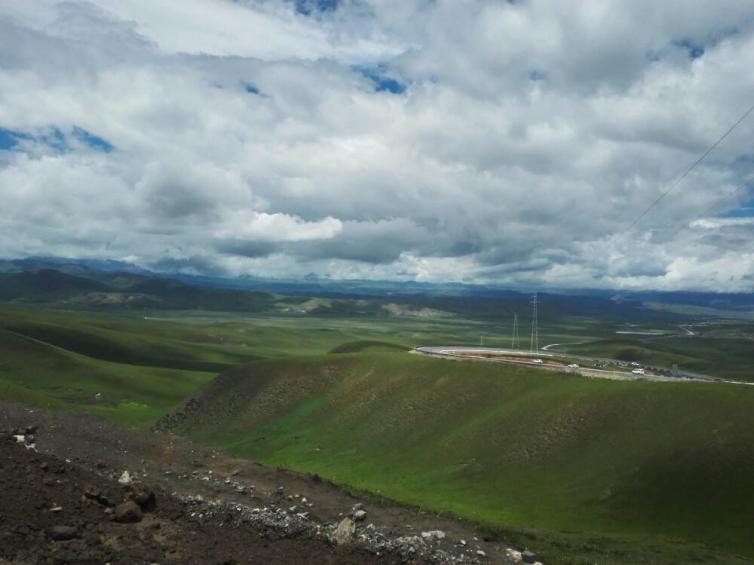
x,y
210,507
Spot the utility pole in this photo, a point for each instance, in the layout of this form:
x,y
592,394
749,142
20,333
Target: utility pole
x,y
534,341
514,337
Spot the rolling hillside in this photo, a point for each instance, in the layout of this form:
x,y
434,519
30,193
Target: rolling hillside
x,y
616,471
122,291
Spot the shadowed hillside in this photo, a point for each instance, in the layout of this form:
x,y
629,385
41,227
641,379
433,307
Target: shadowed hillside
x,y
510,447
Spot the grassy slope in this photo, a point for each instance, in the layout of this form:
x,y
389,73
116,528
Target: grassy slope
x,y
719,356
509,447
512,447
37,373
44,375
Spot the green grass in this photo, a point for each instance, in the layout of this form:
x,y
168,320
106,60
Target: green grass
x,y
514,448
366,345
719,356
37,373
582,470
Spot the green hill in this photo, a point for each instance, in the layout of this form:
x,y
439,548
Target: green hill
x,y
79,366
123,291
611,471
366,345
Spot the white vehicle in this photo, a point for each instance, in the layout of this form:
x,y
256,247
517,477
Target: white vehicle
x,y
573,366
537,361
635,364
638,371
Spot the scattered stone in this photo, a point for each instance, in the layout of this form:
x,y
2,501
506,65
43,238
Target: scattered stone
x,y
435,535
144,497
481,553
56,509
344,532
125,479
93,493
360,515
280,491
63,533
528,557
513,555
128,512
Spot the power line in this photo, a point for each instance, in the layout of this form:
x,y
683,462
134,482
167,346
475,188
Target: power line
x,y
691,168
708,210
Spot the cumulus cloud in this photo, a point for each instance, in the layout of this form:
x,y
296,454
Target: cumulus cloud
x,y
463,140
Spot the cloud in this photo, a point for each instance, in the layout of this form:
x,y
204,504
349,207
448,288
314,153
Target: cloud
x,y
464,140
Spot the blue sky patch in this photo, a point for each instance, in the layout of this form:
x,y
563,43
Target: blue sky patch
x,y
9,139
250,88
745,211
695,50
93,141
309,7
54,138
382,82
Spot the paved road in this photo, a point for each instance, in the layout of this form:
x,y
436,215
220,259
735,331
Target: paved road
x,y
527,358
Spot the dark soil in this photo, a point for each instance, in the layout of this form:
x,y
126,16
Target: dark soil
x,y
55,512
80,458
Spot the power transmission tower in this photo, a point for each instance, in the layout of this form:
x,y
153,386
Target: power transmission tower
x,y
514,338
534,342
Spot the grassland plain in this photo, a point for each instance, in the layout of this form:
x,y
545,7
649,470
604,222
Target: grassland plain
x,y
614,471
586,471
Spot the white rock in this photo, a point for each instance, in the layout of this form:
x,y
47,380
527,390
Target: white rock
x,y
434,534
513,555
125,478
481,553
344,532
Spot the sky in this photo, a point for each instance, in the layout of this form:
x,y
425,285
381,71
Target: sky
x,y
476,141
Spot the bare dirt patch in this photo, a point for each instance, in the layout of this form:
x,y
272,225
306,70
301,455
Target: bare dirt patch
x,y
210,507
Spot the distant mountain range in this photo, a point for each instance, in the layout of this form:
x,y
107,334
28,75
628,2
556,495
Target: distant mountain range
x,y
118,284
90,288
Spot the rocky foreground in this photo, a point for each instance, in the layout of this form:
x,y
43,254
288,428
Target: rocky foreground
x,y
76,490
